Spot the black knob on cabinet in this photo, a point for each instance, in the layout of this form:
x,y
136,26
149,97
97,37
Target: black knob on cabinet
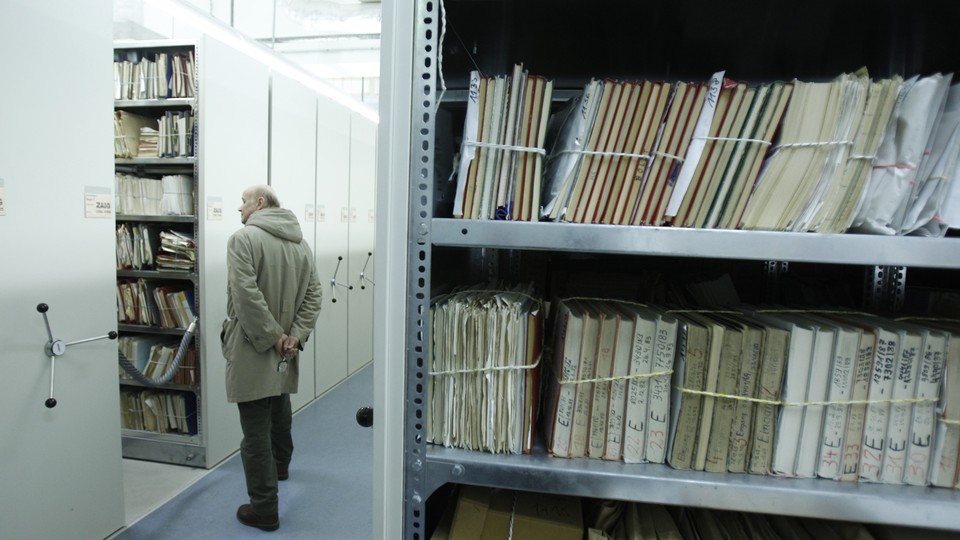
x,y
42,308
365,416
111,335
50,403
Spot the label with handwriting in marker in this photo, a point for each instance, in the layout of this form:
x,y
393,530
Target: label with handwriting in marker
x,y
371,218
353,215
214,209
3,199
97,205
321,214
309,214
344,214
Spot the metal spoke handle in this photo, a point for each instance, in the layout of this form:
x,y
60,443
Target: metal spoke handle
x,y
363,278
56,347
334,283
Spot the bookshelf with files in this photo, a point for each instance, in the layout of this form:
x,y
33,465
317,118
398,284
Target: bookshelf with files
x,y
570,43
158,284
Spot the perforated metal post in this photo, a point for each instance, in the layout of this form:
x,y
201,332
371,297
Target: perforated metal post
x,y
773,270
884,288
418,304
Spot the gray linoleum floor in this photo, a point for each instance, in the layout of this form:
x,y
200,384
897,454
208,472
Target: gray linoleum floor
x,y
329,494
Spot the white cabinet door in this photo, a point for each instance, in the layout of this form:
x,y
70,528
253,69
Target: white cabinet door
x,y
61,472
363,170
333,264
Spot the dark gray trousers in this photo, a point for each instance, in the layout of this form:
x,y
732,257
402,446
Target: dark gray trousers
x,y
267,444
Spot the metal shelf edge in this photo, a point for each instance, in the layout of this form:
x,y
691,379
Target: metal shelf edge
x,y
660,484
708,243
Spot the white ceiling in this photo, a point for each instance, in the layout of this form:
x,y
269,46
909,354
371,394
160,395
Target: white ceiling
x,y
337,40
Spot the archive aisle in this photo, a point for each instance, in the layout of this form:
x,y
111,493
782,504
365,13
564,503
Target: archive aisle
x,y
182,162
572,44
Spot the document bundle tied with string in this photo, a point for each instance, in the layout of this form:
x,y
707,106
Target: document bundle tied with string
x,y
501,157
484,369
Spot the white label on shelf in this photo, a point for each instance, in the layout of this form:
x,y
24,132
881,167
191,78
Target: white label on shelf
x,y
321,214
344,214
97,202
353,215
214,208
3,199
309,214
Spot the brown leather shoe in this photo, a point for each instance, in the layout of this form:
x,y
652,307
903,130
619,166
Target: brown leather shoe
x,y
247,516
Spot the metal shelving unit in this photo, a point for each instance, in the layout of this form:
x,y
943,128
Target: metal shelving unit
x,y
176,448
428,467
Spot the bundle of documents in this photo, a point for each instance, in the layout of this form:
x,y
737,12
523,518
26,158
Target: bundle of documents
x,y
149,142
138,136
138,77
609,386
916,163
152,356
725,155
501,157
605,147
811,155
723,354
147,303
176,135
178,252
178,199
136,303
134,247
484,369
806,394
127,129
153,75
138,196
158,411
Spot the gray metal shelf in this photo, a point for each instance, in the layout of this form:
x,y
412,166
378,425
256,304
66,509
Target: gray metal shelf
x,y
164,447
157,219
172,448
655,483
161,103
156,161
857,249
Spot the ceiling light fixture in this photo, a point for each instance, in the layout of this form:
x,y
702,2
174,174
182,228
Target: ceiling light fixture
x,y
231,37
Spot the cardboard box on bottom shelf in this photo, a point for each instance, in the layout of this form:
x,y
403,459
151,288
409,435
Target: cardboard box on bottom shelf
x,y
485,514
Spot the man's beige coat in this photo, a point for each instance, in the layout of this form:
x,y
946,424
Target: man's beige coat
x,y
272,289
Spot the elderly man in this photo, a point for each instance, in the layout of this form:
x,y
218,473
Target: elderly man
x,y
273,301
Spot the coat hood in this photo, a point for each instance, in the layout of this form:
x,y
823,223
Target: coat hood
x,y
279,222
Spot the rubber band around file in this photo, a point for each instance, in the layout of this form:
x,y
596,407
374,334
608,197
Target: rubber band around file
x,y
735,139
811,144
803,403
618,377
539,151
484,369
647,157
895,166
